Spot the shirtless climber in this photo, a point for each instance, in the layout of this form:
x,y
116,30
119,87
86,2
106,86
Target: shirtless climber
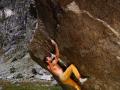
x,y
64,76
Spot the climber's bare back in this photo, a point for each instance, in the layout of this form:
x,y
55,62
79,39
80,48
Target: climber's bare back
x,y
55,69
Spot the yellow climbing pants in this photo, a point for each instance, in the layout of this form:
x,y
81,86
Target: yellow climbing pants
x,y
65,77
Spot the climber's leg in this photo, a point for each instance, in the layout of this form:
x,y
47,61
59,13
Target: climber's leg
x,y
72,83
71,69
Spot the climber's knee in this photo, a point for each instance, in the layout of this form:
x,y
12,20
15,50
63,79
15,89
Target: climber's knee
x,y
77,88
71,65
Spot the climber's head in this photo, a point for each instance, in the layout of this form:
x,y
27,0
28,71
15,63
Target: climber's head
x,y
49,58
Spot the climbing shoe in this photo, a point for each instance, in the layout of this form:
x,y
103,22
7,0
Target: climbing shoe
x,y
82,80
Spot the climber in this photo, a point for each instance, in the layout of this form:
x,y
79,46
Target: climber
x,y
64,76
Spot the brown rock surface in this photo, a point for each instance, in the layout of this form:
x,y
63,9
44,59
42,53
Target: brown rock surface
x,y
88,38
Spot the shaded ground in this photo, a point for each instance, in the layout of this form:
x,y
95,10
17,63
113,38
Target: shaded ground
x,y
27,86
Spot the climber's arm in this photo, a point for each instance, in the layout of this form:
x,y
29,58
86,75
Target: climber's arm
x,y
50,66
56,51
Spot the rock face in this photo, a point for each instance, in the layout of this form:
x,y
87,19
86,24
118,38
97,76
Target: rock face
x,y
16,28
17,25
88,36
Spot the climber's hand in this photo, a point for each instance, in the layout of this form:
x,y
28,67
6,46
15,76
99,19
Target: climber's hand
x,y
53,42
48,61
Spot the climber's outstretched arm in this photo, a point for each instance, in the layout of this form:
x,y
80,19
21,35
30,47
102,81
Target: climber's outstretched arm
x,y
56,51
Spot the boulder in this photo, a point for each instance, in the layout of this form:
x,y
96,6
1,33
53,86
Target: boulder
x,y
88,36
